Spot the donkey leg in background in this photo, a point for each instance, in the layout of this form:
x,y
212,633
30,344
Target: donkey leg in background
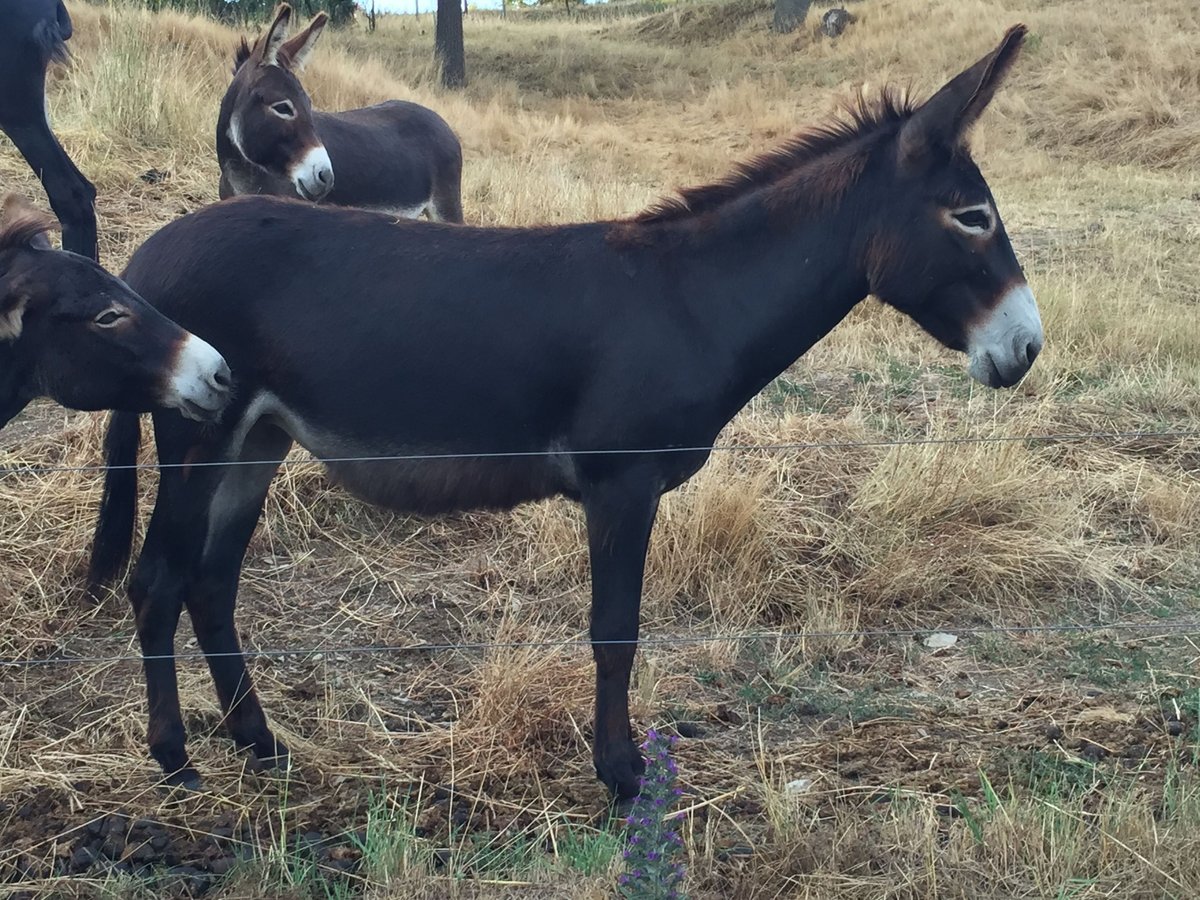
x,y
71,195
232,516
446,202
620,515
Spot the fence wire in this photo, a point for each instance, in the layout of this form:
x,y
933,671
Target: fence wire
x,y
1065,438
1162,628
1190,628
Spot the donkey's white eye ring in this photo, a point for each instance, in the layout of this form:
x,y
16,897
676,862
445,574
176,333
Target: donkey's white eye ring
x,y
973,219
284,109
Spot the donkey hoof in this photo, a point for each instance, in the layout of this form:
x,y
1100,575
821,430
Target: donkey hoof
x,y
621,770
272,757
186,780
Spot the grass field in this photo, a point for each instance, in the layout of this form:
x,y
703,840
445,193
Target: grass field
x,y
836,764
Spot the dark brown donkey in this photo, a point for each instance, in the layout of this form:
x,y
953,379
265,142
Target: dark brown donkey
x,y
395,157
73,332
33,33
523,357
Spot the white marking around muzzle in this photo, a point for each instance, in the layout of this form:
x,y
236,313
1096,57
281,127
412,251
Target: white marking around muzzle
x,y
313,175
199,385
1003,346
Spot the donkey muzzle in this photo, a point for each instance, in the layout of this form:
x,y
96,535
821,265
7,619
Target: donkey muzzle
x,y
200,385
1003,347
313,175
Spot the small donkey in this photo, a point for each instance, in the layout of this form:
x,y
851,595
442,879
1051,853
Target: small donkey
x,y
394,157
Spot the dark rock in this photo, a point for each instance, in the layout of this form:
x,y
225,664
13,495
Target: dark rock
x,y
159,841
835,21
115,825
1052,732
222,864
82,858
1092,751
1174,727
154,176
689,730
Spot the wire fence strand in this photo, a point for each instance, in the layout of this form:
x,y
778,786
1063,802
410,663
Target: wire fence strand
x,y
1072,437
578,643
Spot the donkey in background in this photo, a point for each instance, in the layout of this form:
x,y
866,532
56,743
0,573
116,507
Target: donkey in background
x,y
522,352
33,33
395,157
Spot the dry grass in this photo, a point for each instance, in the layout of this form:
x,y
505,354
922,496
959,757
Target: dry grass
x,y
933,773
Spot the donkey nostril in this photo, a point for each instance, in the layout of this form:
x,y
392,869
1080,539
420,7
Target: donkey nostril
x,y
222,378
1032,349
325,176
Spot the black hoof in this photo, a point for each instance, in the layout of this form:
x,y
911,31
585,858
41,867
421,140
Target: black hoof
x,y
273,758
621,769
186,780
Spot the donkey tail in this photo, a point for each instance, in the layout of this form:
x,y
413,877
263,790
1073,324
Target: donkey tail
x,y
113,540
51,36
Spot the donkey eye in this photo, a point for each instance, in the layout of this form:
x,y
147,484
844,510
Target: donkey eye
x,y
109,318
975,221
284,109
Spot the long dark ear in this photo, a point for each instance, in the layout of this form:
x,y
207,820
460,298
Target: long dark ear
x,y
267,48
944,119
295,52
23,225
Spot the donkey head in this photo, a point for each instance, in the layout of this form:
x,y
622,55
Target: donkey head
x,y
938,250
266,115
72,332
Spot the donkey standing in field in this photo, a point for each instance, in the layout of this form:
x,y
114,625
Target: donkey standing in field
x,y
394,157
33,33
524,357
72,332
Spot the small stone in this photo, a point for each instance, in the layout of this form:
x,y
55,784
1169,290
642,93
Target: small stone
x,y
689,730
1174,727
1052,732
159,841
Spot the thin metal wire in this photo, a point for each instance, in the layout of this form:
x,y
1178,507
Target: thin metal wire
x,y
582,643
718,448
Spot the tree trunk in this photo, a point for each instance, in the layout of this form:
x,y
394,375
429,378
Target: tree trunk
x,y
448,44
790,14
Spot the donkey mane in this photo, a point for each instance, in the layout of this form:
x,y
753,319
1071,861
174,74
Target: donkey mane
x,y
860,118
241,54
21,227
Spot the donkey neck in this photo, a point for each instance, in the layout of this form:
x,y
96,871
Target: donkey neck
x,y
766,285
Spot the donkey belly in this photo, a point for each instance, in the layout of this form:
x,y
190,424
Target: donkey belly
x,y
433,486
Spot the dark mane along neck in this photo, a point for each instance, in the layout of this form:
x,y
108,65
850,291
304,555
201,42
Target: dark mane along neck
x,y
809,171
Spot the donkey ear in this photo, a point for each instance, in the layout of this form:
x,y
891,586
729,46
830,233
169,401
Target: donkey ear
x,y
275,36
294,54
944,119
24,225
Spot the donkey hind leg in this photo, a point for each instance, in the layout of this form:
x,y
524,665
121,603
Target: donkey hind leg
x,y
71,195
233,514
445,202
620,515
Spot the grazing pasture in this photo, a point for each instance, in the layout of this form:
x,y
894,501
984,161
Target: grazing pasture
x,y
851,760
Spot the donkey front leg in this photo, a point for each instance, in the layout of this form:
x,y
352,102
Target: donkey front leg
x,y
71,195
156,591
620,515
